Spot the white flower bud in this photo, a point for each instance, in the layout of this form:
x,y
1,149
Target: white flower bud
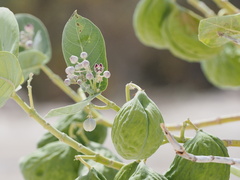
x,y
70,70
79,81
29,44
84,55
29,28
89,124
67,82
106,74
89,76
73,59
85,63
78,66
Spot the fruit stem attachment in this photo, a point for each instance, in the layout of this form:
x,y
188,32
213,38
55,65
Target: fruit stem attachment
x,y
225,4
130,86
72,94
180,151
202,7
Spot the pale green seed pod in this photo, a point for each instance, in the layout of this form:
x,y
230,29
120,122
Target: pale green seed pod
x,y
136,132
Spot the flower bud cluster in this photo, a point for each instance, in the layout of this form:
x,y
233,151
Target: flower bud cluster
x,y
26,36
81,73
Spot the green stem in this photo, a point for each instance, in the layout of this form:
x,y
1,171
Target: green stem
x,y
109,103
232,143
29,87
64,137
202,7
225,4
72,94
235,171
206,123
130,86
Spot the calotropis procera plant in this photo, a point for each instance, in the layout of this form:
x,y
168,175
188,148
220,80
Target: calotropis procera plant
x,y
138,129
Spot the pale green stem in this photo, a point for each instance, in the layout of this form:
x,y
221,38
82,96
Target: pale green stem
x,y
109,103
58,134
79,132
103,160
29,87
64,137
202,7
206,123
130,86
72,94
235,170
225,4
232,143
79,157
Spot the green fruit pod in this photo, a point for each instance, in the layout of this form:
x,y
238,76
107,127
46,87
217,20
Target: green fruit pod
x,y
136,132
53,161
92,174
224,70
181,32
107,172
98,135
138,171
201,144
147,22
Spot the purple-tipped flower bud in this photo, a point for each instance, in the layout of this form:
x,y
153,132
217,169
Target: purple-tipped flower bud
x,y
67,82
79,81
73,59
89,76
84,55
85,63
70,70
78,66
89,124
29,28
29,44
106,74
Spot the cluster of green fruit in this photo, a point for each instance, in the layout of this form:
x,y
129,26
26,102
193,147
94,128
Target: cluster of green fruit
x,y
164,24
136,135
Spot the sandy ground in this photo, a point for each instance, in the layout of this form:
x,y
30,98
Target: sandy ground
x,y
19,133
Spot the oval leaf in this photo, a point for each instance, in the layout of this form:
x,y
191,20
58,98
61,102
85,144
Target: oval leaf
x,y
9,34
31,61
81,35
70,109
219,30
10,75
41,41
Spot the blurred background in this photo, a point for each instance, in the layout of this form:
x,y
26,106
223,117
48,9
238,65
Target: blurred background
x,y
178,87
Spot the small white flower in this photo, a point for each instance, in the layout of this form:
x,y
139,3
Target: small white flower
x,y
79,81
70,70
89,124
85,63
29,44
78,66
84,55
73,59
106,74
67,82
89,76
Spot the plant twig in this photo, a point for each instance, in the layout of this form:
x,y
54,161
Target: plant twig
x,y
110,104
62,136
229,7
202,7
205,123
30,90
179,149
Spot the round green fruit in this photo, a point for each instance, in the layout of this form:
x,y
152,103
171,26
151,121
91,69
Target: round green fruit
x,y
136,132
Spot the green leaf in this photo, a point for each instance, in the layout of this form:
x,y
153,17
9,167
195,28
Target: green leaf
x,y
41,41
216,31
9,34
70,109
79,35
224,69
31,61
10,75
